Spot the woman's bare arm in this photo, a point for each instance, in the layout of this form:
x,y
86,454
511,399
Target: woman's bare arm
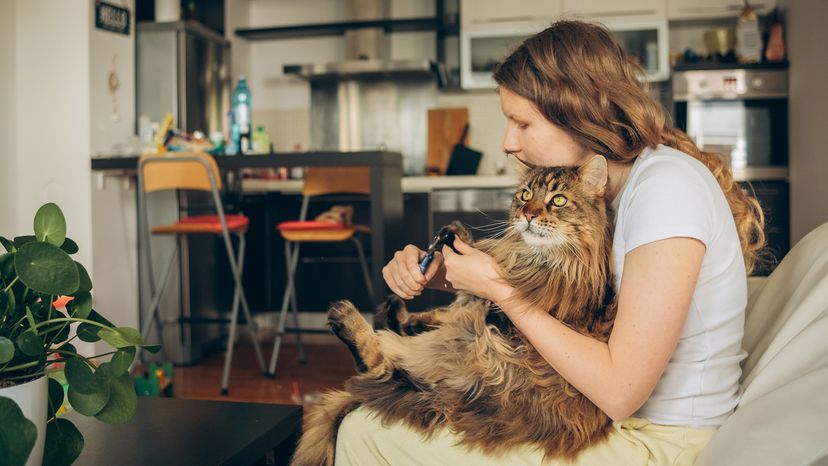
x,y
657,287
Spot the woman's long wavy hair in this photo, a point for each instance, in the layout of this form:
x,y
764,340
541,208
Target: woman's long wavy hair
x,y
581,80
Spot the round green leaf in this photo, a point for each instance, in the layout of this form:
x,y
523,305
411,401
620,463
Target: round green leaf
x,y
30,343
44,268
68,349
64,443
120,337
69,246
17,434
88,333
21,240
152,348
122,401
56,395
81,306
7,244
90,404
121,360
80,376
6,350
7,266
88,391
50,224
85,282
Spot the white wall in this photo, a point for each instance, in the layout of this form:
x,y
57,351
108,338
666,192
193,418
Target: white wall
x,y
113,205
53,102
55,112
8,119
806,39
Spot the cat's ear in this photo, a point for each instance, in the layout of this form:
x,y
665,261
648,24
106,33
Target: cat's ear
x,y
520,167
594,174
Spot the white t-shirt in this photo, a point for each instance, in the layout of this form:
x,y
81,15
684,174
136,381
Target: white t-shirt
x,y
670,194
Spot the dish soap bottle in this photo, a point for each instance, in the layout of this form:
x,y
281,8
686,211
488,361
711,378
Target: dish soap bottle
x,y
261,141
748,38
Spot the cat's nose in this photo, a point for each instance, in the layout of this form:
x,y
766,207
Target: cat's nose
x,y
529,216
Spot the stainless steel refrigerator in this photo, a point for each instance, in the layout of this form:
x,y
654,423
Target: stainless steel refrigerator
x,y
183,68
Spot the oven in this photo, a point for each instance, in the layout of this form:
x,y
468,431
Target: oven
x,y
743,114
739,113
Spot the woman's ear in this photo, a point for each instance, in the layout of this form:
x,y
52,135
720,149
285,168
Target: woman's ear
x,y
594,175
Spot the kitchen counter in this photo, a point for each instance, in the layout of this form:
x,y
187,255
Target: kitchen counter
x,y
410,184
427,184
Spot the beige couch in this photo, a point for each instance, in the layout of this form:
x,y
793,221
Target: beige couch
x,y
782,418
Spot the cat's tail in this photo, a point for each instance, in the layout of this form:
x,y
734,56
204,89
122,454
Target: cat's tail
x,y
318,442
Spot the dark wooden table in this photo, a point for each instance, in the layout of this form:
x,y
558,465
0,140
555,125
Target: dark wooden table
x,y
386,191
167,431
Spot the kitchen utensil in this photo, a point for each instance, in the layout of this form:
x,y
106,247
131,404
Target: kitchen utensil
x,y
443,237
464,160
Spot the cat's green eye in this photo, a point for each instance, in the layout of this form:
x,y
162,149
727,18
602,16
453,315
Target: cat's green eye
x,y
559,200
525,195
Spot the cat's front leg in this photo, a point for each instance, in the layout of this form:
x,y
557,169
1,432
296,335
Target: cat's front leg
x,y
349,326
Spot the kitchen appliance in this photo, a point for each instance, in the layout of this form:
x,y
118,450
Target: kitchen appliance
x,y
183,68
484,45
741,113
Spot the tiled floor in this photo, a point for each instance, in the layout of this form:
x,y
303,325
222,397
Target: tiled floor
x,y
329,363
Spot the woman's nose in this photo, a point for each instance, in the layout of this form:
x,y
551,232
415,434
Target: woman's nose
x,y
510,143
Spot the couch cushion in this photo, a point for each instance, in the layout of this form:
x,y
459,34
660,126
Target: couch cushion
x,y
784,406
786,328
783,427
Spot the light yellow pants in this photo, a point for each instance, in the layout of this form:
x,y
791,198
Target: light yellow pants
x,y
364,441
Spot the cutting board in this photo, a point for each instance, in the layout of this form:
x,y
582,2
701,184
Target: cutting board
x,y
445,127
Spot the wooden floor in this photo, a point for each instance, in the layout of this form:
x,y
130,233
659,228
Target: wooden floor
x,y
329,363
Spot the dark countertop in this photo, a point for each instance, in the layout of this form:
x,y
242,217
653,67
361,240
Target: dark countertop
x,y
284,159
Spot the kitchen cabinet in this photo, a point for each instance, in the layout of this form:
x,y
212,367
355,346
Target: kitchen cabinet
x,y
705,9
473,12
613,8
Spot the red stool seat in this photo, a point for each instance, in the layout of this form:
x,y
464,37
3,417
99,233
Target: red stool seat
x,y
294,225
204,224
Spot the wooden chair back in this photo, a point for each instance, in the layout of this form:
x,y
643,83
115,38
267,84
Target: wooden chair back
x,y
179,170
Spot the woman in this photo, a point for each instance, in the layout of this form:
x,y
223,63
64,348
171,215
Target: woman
x,y
685,237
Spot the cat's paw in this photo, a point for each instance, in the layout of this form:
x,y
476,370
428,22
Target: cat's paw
x,y
387,316
345,320
460,231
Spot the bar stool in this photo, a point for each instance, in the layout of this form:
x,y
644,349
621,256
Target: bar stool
x,y
318,181
195,171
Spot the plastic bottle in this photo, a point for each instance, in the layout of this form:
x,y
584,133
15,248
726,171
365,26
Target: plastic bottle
x,y
232,146
261,141
748,38
242,113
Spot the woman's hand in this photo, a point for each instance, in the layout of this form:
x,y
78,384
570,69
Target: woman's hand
x,y
475,272
402,273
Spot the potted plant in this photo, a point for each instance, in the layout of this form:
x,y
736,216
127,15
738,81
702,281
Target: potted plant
x,y
37,356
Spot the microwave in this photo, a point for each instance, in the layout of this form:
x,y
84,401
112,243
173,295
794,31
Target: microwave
x,y
484,45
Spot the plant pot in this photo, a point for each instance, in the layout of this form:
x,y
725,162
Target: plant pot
x,y
33,399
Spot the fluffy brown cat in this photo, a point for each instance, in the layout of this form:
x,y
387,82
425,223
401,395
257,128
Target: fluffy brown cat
x,y
465,366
